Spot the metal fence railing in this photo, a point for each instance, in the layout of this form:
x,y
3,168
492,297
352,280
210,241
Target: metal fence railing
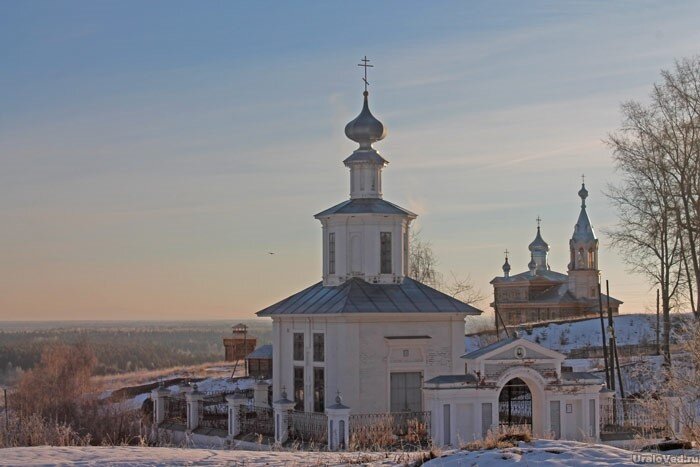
x,y
213,413
256,420
175,410
632,415
308,427
384,430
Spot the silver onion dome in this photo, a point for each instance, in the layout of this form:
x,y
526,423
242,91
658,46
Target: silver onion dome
x,y
532,265
365,129
538,244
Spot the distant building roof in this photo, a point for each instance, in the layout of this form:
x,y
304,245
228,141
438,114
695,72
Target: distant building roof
x,y
357,296
365,206
557,293
264,351
528,276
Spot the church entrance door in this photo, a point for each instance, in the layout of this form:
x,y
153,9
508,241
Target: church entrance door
x,y
515,405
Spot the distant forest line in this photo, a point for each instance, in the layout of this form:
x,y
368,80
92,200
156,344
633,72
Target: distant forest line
x,y
121,346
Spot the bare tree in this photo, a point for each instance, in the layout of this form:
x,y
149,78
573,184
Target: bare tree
x,y
423,268
675,391
676,103
647,232
666,142
463,289
422,262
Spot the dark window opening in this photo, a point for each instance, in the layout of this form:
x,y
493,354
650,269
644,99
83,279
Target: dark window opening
x,y
299,346
385,252
319,390
406,393
319,354
299,388
331,253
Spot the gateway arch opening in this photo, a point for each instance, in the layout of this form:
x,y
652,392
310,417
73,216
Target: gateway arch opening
x,y
515,405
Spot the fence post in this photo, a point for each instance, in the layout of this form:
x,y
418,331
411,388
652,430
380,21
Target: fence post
x,y
235,401
193,399
282,407
158,396
338,424
260,392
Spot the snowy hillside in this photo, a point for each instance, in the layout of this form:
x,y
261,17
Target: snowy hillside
x,y
630,329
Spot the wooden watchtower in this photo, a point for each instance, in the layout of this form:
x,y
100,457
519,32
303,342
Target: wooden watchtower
x,y
239,344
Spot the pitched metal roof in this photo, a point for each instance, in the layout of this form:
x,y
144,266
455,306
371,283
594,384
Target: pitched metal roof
x,y
264,351
579,376
365,155
557,293
451,379
365,206
547,274
358,296
484,350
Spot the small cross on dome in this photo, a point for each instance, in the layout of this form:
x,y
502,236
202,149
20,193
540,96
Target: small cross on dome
x,y
365,64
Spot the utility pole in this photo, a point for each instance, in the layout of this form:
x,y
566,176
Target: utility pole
x,y
611,341
602,333
614,341
658,325
498,316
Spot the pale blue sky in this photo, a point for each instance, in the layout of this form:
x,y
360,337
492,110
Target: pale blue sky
x,y
152,152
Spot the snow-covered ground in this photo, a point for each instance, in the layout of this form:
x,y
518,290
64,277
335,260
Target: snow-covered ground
x,y
538,452
630,329
123,456
548,453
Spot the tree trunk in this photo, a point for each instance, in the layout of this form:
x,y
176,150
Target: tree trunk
x,y
667,328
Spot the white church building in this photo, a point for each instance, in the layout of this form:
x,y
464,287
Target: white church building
x,y
390,344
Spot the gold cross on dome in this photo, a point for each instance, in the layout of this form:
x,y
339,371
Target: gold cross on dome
x,y
365,64
506,253
538,221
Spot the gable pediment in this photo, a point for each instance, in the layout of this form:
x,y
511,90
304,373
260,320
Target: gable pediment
x,y
518,352
515,349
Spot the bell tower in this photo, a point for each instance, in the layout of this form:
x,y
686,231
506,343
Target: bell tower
x,y
365,237
583,252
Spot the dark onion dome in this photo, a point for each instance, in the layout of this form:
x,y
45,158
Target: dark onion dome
x,y
538,244
506,267
365,129
583,193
